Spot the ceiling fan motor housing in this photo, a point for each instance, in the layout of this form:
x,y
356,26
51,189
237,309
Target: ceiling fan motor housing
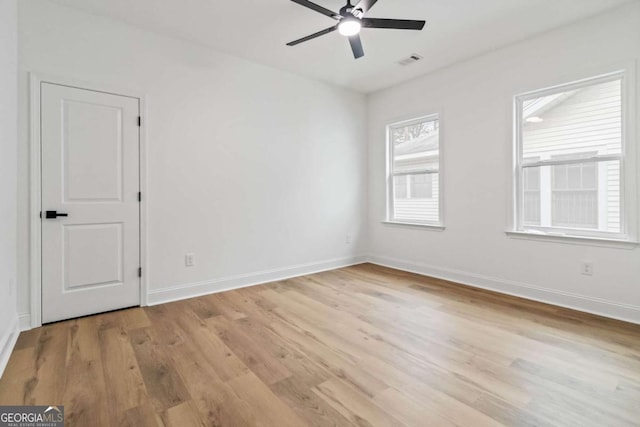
x,y
349,10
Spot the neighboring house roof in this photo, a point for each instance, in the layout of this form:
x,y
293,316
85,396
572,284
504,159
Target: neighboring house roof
x,y
584,120
425,143
538,106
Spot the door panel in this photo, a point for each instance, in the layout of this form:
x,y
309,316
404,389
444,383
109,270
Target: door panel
x,y
94,152
93,255
90,171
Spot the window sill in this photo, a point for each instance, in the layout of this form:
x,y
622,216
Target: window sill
x,y
573,240
414,225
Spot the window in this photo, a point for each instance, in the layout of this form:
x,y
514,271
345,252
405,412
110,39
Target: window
x,y
414,165
570,160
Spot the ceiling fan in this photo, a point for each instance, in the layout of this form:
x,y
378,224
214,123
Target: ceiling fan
x,y
351,19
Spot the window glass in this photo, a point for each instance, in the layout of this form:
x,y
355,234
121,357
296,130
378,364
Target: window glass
x,y
570,151
414,166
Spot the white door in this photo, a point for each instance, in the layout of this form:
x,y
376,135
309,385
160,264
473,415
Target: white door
x,y
90,173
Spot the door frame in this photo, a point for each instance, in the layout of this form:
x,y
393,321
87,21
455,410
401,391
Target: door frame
x,y
35,185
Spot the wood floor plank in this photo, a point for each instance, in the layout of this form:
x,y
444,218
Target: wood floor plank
x,y
412,412
15,382
163,321
85,388
447,396
221,304
330,358
354,405
185,414
255,356
130,318
359,346
202,340
305,369
264,404
216,403
507,414
201,308
48,377
307,404
561,409
127,388
139,416
164,386
28,339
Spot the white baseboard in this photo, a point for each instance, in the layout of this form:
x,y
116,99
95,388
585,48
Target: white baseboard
x,y
615,310
191,290
24,321
7,342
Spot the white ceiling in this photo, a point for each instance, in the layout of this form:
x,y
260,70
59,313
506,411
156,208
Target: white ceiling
x,y
259,29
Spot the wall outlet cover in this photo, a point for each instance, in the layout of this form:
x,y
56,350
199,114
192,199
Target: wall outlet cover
x,y
586,268
190,260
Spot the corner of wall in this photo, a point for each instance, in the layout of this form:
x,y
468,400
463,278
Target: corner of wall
x,y
7,342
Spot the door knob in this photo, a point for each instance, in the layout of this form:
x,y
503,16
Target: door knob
x,y
54,214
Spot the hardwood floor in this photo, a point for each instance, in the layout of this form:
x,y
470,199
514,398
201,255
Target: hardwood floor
x,y
363,346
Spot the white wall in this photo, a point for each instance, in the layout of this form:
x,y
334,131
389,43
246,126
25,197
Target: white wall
x,y
8,146
475,102
250,168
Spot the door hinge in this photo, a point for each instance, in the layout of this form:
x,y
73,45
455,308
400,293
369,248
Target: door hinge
x,y
139,271
139,196
139,121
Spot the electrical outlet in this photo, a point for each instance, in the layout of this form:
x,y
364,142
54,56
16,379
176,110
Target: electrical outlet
x,y
348,239
586,268
190,260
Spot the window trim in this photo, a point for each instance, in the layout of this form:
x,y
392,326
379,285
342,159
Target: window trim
x,y
629,180
572,240
389,175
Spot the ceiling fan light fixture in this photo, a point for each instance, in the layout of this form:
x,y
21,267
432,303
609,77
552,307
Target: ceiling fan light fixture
x,y
351,19
349,26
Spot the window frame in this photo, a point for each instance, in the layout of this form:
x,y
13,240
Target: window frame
x,y
389,175
523,194
627,158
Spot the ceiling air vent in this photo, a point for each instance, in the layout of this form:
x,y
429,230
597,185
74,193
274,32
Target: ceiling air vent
x,y
410,60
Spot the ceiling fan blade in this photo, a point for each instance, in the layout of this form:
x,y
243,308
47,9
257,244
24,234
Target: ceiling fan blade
x,y
398,24
365,5
313,36
318,8
356,46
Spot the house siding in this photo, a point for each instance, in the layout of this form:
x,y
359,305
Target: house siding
x,y
588,121
420,209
